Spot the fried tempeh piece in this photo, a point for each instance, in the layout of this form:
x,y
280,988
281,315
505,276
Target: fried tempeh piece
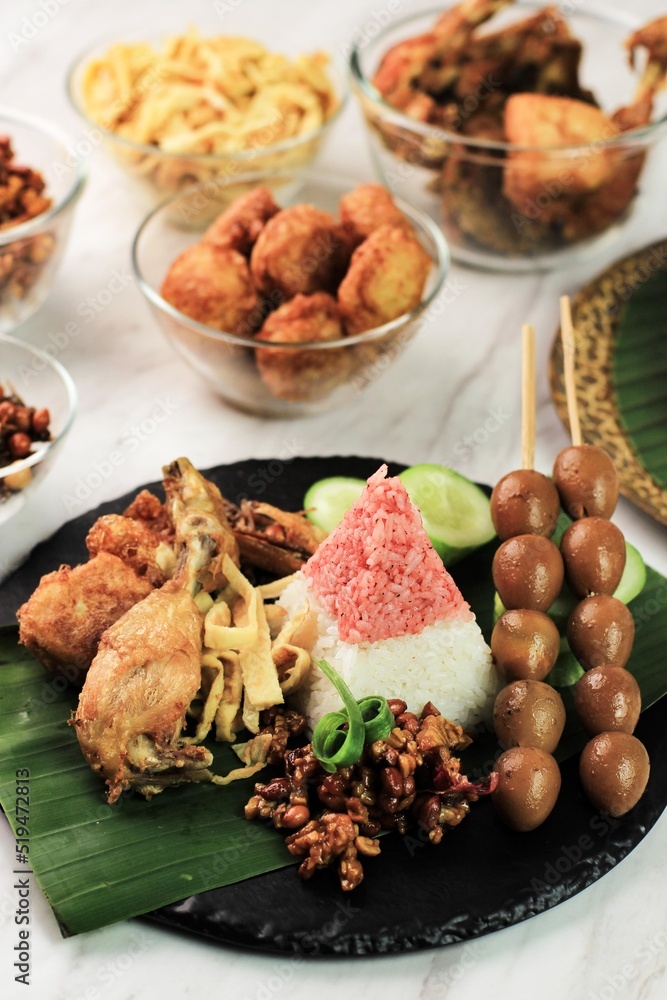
x,y
271,539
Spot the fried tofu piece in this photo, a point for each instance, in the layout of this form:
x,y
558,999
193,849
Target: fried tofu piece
x,y
238,227
214,287
366,208
386,279
301,375
131,541
300,250
63,620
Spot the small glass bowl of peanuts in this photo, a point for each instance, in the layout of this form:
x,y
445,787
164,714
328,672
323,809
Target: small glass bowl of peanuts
x,y
38,402
41,177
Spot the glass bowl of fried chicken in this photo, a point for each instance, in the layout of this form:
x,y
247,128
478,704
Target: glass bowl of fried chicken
x,y
291,292
528,132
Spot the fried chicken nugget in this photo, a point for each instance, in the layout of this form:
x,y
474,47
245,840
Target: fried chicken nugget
x,y
63,620
214,287
131,541
300,250
386,279
307,374
366,208
238,227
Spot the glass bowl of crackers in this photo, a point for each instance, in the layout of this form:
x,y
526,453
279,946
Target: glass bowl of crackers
x,y
185,108
41,178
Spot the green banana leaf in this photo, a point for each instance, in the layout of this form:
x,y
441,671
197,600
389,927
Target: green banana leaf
x,y
98,863
639,374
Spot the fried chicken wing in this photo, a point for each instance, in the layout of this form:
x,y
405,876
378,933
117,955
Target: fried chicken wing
x,y
152,513
653,38
430,62
238,227
214,287
397,76
203,534
300,250
147,671
367,207
135,544
301,375
63,620
386,279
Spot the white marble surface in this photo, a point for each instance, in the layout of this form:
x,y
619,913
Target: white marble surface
x,y
607,942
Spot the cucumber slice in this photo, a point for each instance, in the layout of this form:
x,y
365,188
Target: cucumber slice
x,y
559,610
634,576
566,671
328,500
455,512
562,607
562,524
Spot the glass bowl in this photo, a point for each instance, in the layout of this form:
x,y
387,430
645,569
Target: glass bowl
x,y
40,381
30,252
165,173
463,182
229,362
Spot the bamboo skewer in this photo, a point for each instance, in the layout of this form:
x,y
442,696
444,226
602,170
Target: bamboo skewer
x,y
528,397
569,350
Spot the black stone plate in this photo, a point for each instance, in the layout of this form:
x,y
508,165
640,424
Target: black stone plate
x,y
482,878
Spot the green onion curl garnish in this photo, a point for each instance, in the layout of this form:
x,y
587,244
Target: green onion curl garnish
x,y
339,737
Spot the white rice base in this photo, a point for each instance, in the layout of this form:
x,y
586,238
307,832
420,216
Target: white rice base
x,y
448,663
